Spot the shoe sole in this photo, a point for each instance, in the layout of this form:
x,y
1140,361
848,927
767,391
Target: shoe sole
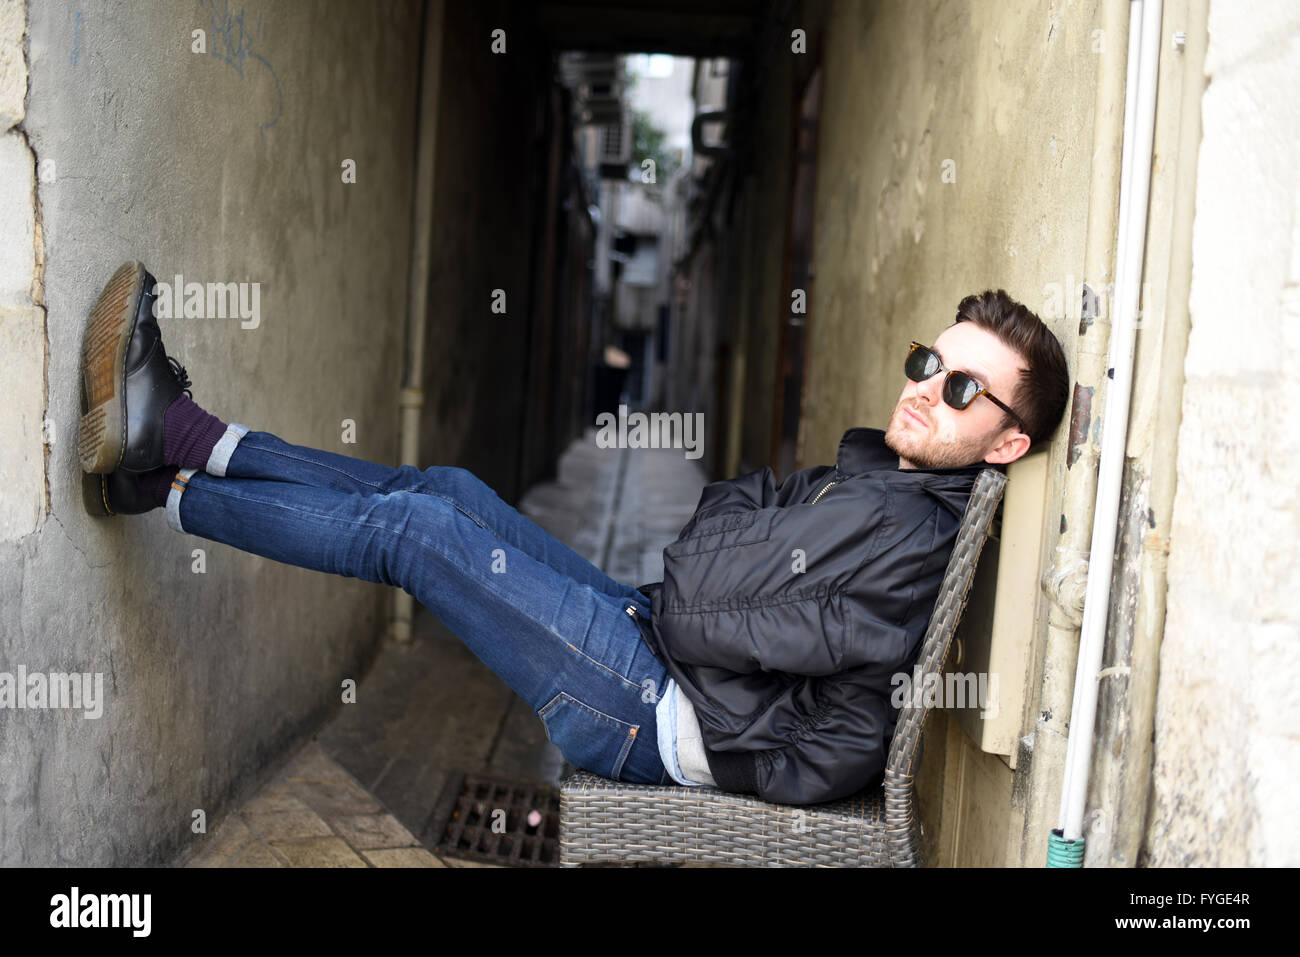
x,y
94,495
101,441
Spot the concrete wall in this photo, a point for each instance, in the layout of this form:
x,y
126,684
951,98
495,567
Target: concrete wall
x,y
897,247
1226,741
955,155
223,166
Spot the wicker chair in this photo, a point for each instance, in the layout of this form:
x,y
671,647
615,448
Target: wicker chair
x,y
604,821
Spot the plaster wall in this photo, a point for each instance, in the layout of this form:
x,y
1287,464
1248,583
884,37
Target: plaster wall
x,y
123,140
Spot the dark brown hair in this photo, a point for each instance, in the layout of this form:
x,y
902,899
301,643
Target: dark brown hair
x,y
1043,387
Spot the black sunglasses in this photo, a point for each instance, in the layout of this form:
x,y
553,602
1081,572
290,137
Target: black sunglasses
x,y
959,389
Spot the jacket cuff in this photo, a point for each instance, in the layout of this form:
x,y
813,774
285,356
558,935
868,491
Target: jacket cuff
x,y
734,771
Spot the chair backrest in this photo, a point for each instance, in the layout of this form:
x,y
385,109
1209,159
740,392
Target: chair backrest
x,y
948,608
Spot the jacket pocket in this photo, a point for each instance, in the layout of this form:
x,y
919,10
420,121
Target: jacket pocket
x,y
724,531
588,738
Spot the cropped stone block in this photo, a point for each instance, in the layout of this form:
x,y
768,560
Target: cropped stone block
x,y
13,66
22,436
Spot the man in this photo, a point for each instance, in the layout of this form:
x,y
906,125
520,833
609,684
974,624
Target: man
x,y
786,611
760,664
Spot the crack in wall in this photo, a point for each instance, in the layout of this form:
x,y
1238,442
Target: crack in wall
x,y
16,118
37,290
37,295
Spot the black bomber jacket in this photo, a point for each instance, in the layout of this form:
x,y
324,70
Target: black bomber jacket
x,y
785,612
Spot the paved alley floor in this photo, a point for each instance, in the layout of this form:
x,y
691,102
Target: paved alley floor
x,y
370,789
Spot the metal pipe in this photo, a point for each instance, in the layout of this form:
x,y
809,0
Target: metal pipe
x,y
1135,183
411,395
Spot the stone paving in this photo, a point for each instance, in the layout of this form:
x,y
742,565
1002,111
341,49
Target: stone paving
x,y
363,791
313,814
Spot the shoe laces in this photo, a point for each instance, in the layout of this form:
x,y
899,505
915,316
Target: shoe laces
x,y
182,378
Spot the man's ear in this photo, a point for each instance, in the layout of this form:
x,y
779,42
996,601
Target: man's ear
x,y
1014,444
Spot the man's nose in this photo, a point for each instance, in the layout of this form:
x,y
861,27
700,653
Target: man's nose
x,y
931,390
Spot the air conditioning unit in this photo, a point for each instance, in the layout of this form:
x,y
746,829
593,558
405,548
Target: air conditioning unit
x,y
616,147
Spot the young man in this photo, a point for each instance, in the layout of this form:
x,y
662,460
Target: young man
x,y
761,664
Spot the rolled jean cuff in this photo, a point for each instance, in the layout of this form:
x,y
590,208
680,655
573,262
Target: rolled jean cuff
x,y
224,449
179,484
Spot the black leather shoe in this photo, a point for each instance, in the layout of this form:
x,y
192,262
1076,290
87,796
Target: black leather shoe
x,y
127,376
117,493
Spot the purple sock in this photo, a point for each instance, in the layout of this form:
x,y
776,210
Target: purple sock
x,y
158,483
189,433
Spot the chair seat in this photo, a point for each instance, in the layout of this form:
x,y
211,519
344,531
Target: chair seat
x,y
605,821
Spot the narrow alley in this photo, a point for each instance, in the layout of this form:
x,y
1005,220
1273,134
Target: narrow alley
x,y
882,345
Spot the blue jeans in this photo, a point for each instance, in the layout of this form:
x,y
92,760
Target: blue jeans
x,y
551,625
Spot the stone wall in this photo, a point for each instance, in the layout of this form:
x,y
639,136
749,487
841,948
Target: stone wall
x,y
1226,746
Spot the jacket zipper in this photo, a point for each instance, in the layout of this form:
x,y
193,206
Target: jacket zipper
x,y
823,491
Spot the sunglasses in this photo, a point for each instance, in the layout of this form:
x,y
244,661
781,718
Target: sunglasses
x,y
959,389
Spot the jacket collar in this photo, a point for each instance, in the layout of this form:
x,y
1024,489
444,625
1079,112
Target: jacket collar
x,y
864,450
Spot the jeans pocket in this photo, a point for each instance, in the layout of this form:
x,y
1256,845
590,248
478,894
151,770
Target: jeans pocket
x,y
588,738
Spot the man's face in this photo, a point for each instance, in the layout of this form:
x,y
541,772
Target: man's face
x,y
950,438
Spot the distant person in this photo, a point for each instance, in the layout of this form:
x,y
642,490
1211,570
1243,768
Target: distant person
x,y
761,664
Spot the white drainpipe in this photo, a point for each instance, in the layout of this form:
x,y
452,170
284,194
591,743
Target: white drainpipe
x,y
1135,185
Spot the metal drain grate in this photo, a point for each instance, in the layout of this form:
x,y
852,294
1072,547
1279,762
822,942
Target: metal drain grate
x,y
487,819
